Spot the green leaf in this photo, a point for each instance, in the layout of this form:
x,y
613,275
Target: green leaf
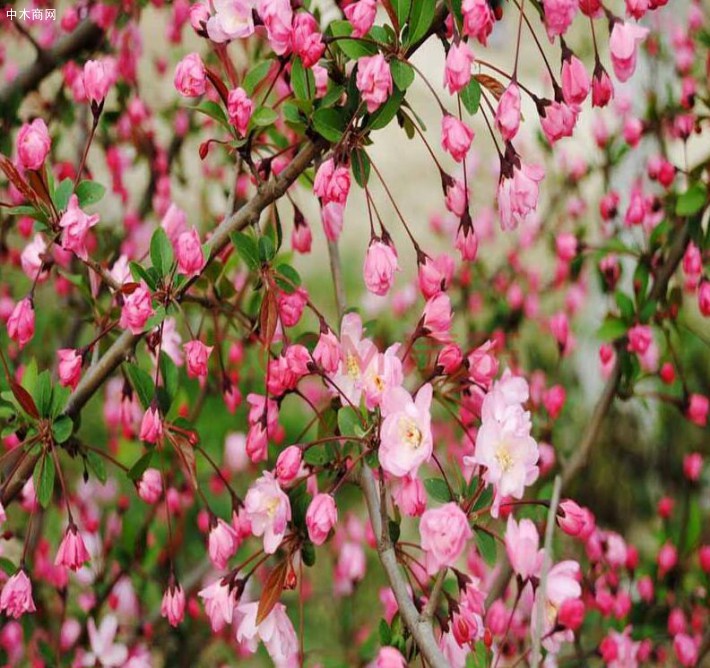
x,y
62,194
437,489
302,81
263,117
43,394
484,499
89,192
287,278
625,304
169,374
142,384
256,75
612,328
361,167
317,455
387,111
7,566
267,250
96,464
214,111
692,200
394,531
348,422
44,482
648,310
62,429
352,48
60,396
402,9
161,252
486,546
471,96
308,553
247,248
139,274
335,92
385,633
139,468
329,124
420,19
402,74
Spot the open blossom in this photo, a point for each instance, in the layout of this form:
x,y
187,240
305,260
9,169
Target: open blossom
x,y
405,437
374,80
240,109
522,543
276,632
277,16
268,510
72,552
562,585
222,543
16,596
33,144
456,137
623,42
321,517
197,355
21,323
503,443
75,226
188,249
190,77
518,194
444,532
457,72
507,117
220,599
361,15
380,267
137,309
105,651
477,19
172,606
232,19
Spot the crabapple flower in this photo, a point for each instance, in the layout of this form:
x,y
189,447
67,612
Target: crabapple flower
x,y
69,367
276,632
503,442
219,599
222,543
575,81
380,267
558,16
233,19
172,606
522,543
150,486
575,520
240,109
697,410
518,193
306,40
361,15
327,351
558,120
332,183
405,437
444,532
456,137
151,426
562,585
72,552
483,364
457,72
197,355
104,650
33,144
374,81
507,117
467,242
288,464
477,19
97,79
389,657
190,76
437,318
188,249
332,218
268,510
301,237
410,496
137,309
174,223
602,87
321,517
686,650
277,16
21,323
623,42
32,259
75,226
16,596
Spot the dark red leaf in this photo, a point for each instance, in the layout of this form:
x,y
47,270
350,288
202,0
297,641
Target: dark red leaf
x,y
272,591
268,317
24,399
16,179
491,84
129,288
218,84
186,455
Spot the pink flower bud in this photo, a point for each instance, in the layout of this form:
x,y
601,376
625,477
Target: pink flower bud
x,y
288,464
33,144
190,76
151,426
667,559
137,309
97,79
558,15
575,520
306,40
467,243
704,558
222,543
507,117
374,81
704,298
389,657
602,87
437,318
75,226
623,42
693,466
361,15
477,19
456,137
321,517
301,237
331,183
645,588
697,411
575,81
640,338
70,362
332,218
410,496
16,596
435,275
327,351
150,486
240,109
380,267
449,358
188,249
483,365
173,604
686,650
21,323
457,72
554,400
197,355
291,306
72,552
571,613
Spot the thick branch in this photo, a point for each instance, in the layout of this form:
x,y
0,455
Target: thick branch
x,y
419,626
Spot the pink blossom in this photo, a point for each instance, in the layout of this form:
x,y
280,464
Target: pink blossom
x,y
704,299
301,237
456,137
374,81
220,599
32,259
72,552
686,650
704,558
381,373
151,426
623,42
518,194
332,218
174,223
69,367
222,543
380,267
232,20
137,309
467,242
361,15
172,606
640,338
288,464
575,81
332,184
104,650
410,496
602,87
575,520
276,632
522,543
437,318
477,19
405,436
268,510
306,40
98,77
435,275
389,657
554,400
667,559
277,17
696,412
188,249
321,517
456,197
75,226
693,466
190,77
444,532
558,15
240,109
327,351
150,486
457,72
562,585
33,144
507,117
558,120
483,364
449,358
21,323
197,355
291,305
16,596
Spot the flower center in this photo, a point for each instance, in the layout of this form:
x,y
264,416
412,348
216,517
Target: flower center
x,y
505,461
272,506
353,368
410,432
